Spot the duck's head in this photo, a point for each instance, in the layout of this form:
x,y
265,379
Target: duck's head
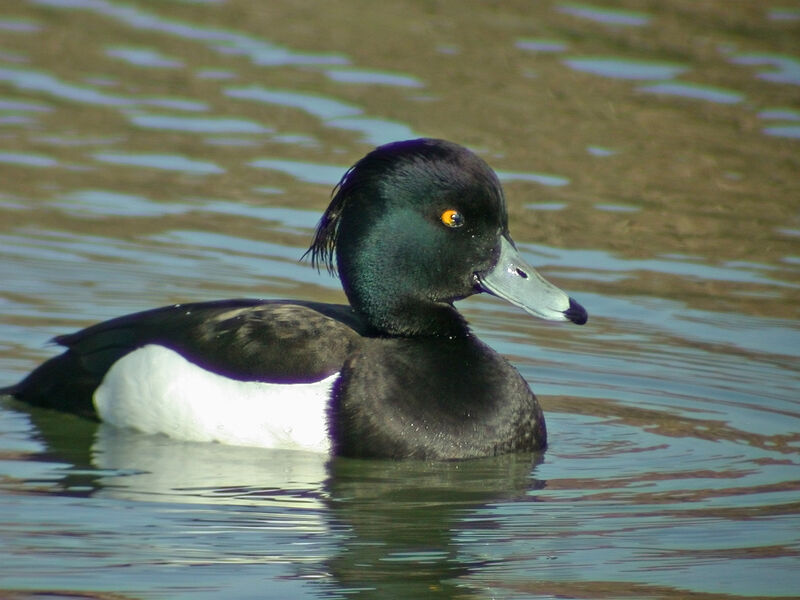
x,y
416,225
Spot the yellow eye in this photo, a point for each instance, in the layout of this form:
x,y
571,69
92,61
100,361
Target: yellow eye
x,y
452,218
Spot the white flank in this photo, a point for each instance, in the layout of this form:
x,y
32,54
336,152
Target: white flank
x,y
156,390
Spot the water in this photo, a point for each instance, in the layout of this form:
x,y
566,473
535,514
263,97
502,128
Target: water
x,y
153,153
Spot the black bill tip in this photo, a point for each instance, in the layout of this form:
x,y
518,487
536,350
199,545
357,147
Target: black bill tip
x,y
576,313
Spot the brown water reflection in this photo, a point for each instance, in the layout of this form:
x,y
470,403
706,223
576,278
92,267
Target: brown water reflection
x,y
705,180
153,153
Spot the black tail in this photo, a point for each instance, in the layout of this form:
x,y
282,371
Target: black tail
x,y
61,383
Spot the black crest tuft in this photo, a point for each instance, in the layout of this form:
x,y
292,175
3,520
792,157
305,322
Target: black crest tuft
x,y
322,249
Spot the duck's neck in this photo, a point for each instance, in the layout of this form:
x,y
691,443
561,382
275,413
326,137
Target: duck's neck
x,y
414,318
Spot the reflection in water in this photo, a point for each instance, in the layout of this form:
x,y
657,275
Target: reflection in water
x,y
197,124
318,106
624,68
391,528
308,172
693,90
784,69
167,162
784,14
225,42
607,16
785,114
373,77
32,81
616,207
153,153
405,519
19,25
600,151
17,105
156,468
375,131
550,180
404,529
100,203
788,131
144,57
28,160
541,45
333,112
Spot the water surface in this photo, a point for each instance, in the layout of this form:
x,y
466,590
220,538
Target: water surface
x,y
153,153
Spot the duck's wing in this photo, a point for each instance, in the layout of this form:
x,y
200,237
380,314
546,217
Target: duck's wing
x,y
246,340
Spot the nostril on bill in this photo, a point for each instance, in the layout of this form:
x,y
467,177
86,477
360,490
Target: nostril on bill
x,y
522,273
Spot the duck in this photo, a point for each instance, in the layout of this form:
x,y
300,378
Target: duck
x,y
412,227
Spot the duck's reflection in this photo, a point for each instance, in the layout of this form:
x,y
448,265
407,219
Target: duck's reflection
x,y
154,467
405,519
385,529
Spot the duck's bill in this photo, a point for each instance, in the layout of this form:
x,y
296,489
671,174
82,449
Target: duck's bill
x,y
517,282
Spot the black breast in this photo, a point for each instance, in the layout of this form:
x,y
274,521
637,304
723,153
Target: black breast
x,y
433,398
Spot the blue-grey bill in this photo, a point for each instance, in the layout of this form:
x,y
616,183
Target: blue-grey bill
x,y
514,280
